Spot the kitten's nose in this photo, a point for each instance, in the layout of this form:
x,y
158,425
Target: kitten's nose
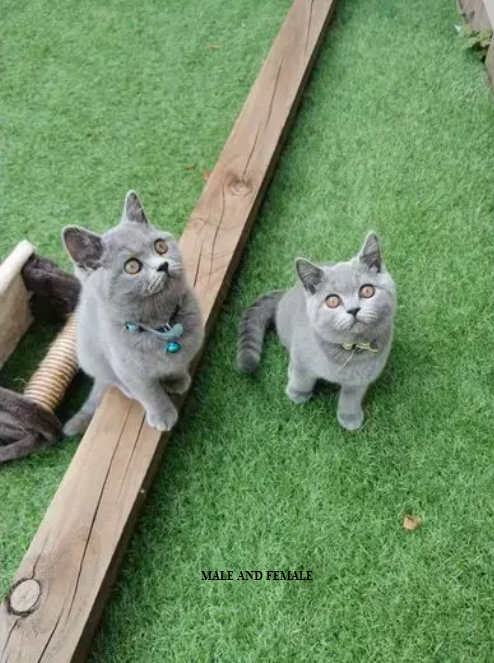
x,y
163,267
353,311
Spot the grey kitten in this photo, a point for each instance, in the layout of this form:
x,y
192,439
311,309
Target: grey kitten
x,y
138,321
336,324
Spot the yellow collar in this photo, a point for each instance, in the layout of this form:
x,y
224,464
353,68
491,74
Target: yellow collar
x,y
359,346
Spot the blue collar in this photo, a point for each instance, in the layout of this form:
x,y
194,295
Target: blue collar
x,y
168,332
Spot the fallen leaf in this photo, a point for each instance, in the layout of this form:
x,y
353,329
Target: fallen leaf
x,y
214,47
206,175
412,522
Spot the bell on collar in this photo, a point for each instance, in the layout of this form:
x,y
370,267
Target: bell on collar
x,y
173,347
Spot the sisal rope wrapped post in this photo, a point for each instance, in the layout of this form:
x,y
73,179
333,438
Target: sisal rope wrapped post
x,y
49,383
30,282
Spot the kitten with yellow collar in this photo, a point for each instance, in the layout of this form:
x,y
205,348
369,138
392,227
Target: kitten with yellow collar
x,y
336,324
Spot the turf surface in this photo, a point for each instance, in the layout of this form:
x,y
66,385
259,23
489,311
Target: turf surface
x,y
396,134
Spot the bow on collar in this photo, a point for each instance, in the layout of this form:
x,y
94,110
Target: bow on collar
x,y
359,346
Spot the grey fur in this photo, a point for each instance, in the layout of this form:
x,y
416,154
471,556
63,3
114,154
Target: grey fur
x,y
253,327
135,362
314,334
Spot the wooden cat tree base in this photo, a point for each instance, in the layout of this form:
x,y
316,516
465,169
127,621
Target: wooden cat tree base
x,y
61,586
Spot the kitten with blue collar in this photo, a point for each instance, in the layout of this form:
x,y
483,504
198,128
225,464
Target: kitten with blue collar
x,y
139,321
336,324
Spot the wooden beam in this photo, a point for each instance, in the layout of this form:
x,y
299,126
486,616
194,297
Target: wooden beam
x,y
61,586
476,15
489,8
489,60
489,64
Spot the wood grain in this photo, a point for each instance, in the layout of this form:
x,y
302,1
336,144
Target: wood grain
x,y
14,300
489,8
480,16
489,64
475,12
75,554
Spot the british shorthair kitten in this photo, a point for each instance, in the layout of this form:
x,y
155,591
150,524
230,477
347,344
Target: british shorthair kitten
x,y
336,324
138,320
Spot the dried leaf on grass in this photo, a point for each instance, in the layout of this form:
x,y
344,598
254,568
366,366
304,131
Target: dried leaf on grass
x,y
206,175
411,523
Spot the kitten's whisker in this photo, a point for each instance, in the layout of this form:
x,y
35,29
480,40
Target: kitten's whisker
x,y
343,323
154,283
346,362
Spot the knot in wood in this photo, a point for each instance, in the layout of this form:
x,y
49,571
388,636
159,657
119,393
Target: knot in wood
x,y
239,186
24,596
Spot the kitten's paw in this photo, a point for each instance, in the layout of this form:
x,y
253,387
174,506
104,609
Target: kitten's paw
x,y
163,421
77,424
178,385
351,420
298,397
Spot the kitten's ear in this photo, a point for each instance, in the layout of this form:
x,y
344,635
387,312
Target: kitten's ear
x,y
370,253
310,275
84,247
133,210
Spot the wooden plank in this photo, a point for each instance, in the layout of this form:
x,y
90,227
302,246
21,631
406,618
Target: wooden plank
x,y
489,64
75,554
480,16
489,8
475,12
14,300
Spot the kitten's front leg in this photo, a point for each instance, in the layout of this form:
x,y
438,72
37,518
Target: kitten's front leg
x,y
300,384
160,411
80,421
177,384
350,413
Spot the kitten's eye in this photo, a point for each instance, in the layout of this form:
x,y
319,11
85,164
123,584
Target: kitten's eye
x,y
161,246
333,301
133,266
367,291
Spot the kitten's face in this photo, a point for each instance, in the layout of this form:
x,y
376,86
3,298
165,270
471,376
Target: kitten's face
x,y
349,300
138,261
131,263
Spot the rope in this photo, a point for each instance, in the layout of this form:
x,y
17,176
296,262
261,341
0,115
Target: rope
x,y
49,383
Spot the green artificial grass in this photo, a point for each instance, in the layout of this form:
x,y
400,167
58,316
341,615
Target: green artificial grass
x,y
395,134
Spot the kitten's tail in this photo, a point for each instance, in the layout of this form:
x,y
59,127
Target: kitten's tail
x,y
253,326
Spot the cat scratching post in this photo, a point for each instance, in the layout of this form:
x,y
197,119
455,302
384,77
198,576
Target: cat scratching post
x,y
48,385
61,586
28,421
